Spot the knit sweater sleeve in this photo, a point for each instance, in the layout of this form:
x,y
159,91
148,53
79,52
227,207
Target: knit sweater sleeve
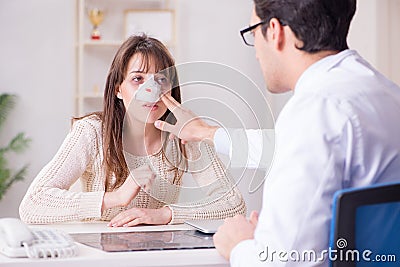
x,y
220,198
48,198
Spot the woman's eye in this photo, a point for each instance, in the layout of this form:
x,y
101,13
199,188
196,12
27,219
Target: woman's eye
x,y
137,79
162,80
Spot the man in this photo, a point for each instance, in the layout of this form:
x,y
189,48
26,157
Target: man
x,y
339,130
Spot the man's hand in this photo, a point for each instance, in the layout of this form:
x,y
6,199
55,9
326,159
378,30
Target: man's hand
x,y
135,216
189,127
142,177
233,231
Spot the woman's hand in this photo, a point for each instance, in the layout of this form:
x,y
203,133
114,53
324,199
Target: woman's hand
x,y
135,216
142,177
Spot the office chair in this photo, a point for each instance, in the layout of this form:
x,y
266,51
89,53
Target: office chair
x,y
365,229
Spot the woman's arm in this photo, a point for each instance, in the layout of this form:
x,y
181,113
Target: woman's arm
x,y
49,199
220,198
141,177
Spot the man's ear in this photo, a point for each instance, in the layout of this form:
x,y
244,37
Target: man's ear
x,y
276,33
118,92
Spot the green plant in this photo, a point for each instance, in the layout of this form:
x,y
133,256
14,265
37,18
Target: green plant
x,y
18,144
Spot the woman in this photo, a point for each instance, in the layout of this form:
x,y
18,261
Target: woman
x,y
130,173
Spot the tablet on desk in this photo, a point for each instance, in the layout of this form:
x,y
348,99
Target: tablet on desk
x,y
205,226
143,241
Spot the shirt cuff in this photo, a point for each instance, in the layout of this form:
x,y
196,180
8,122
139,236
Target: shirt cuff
x,y
222,142
236,255
244,254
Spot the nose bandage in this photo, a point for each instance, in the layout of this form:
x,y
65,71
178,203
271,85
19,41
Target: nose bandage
x,y
149,91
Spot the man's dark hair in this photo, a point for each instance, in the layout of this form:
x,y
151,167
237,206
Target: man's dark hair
x,y
319,24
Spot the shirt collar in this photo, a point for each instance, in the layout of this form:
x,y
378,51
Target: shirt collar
x,y
321,66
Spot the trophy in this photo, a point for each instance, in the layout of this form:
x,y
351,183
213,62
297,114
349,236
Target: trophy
x,y
96,16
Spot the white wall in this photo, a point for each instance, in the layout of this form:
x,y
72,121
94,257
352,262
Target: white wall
x,y
393,35
37,63
374,34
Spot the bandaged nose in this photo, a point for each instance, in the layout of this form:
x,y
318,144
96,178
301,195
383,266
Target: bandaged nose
x,y
149,91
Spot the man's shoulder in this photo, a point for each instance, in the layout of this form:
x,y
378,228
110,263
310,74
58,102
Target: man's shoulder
x,y
345,75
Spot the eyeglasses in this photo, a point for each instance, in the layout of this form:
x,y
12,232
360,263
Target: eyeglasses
x,y
248,33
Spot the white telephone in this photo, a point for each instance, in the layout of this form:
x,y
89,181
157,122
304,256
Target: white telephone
x,y
17,240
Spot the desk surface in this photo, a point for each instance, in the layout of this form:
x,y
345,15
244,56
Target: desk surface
x,y
90,256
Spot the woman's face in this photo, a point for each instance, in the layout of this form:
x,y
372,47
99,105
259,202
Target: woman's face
x,y
146,112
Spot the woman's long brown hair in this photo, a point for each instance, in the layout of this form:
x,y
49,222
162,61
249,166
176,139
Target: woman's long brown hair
x,y
152,51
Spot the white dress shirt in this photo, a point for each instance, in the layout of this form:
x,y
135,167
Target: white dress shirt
x,y
339,130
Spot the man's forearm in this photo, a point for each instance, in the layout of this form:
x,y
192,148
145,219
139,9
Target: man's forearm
x,y
250,148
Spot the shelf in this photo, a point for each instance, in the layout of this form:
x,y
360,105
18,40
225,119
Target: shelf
x,y
103,43
91,96
115,43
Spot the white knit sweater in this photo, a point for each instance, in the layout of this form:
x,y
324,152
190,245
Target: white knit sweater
x,y
49,198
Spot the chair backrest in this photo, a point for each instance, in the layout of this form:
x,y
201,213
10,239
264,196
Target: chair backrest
x,y
365,228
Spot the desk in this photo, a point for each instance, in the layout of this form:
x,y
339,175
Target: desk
x,y
93,257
